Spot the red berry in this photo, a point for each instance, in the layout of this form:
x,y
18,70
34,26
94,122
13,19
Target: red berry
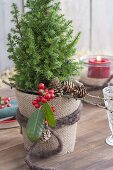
x,y
52,96
41,86
34,102
51,91
9,98
6,101
37,105
4,98
8,105
38,99
40,91
46,90
53,108
2,106
47,96
43,100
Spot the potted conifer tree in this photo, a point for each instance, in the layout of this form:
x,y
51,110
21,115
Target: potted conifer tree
x,y
41,45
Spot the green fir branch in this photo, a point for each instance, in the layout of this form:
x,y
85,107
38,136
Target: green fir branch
x,y
41,44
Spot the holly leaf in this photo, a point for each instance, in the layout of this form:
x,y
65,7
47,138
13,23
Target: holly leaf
x,y
35,125
49,115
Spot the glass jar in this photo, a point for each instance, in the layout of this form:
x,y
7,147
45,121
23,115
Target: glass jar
x,y
108,96
97,70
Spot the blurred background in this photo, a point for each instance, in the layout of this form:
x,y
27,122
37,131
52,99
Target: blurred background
x,y
94,18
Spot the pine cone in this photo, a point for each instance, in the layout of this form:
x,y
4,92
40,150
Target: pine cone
x,y
57,86
54,82
46,134
79,92
68,86
75,88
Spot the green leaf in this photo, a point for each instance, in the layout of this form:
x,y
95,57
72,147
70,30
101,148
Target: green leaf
x,y
35,125
2,102
49,115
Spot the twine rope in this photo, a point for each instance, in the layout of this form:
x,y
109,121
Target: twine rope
x,y
44,154
67,120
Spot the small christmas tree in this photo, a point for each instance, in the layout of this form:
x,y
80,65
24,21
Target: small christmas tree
x,y
41,44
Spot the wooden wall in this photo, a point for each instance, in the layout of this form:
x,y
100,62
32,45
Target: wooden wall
x,y
79,12
102,25
5,25
94,18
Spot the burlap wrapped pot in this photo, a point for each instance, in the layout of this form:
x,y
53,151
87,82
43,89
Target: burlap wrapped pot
x,y
63,107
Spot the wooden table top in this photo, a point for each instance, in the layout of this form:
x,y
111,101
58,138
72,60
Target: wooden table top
x,y
91,152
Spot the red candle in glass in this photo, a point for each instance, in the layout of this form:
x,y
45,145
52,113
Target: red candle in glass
x,y
99,68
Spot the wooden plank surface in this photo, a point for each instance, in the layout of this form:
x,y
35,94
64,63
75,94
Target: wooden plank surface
x,y
91,152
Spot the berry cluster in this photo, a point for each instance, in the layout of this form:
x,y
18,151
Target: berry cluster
x,y
44,95
5,102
